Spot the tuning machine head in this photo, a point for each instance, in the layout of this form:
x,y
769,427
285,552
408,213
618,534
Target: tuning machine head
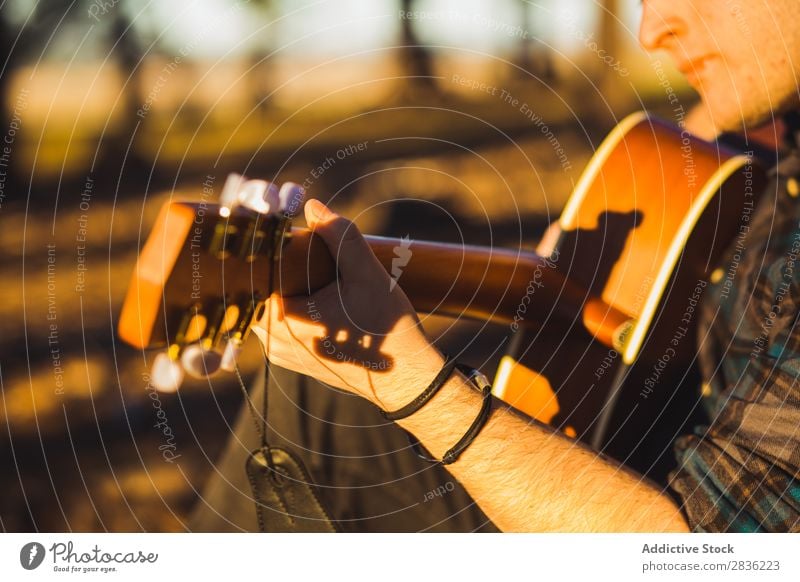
x,y
260,196
205,342
233,347
291,198
200,361
229,197
166,374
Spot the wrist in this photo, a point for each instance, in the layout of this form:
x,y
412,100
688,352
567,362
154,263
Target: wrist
x,y
409,378
458,401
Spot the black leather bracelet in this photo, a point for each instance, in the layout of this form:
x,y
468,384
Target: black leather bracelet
x,y
427,394
485,388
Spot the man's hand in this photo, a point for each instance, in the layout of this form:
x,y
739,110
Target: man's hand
x,y
359,333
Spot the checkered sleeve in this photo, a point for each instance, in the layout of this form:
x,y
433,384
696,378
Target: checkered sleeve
x,y
742,473
725,488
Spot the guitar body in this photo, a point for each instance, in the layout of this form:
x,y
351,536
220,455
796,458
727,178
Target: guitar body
x,y
644,230
612,290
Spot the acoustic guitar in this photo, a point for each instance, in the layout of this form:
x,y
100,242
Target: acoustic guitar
x,y
626,263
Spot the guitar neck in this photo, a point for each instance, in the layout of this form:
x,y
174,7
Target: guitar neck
x,y
460,280
513,287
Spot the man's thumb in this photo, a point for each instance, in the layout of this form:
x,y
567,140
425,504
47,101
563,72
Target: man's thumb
x,y
351,252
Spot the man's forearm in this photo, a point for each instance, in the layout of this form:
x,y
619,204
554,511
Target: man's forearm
x,y
526,477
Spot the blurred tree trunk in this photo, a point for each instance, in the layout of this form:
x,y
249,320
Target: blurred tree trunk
x,y
16,46
258,58
609,26
609,40
532,54
7,66
524,44
129,57
416,58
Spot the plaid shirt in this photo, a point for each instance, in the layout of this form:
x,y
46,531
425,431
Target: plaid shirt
x,y
742,472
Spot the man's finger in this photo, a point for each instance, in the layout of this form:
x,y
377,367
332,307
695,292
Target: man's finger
x,y
353,255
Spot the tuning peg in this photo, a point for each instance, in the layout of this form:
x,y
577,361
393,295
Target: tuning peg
x,y
166,375
251,195
259,195
291,197
199,361
230,193
230,354
272,198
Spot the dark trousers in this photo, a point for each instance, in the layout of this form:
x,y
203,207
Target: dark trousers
x,y
368,477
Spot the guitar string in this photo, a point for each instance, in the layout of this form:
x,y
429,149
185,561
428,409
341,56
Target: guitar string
x,y
261,423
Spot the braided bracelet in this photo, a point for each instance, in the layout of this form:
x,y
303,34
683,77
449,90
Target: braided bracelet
x,y
482,384
427,394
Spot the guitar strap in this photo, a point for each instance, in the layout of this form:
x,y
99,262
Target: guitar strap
x,y
285,496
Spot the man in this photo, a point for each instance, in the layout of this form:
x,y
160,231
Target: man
x,y
739,474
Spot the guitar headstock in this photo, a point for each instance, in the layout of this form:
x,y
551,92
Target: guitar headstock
x,y
203,275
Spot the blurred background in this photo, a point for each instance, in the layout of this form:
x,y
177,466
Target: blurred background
x,y
450,120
